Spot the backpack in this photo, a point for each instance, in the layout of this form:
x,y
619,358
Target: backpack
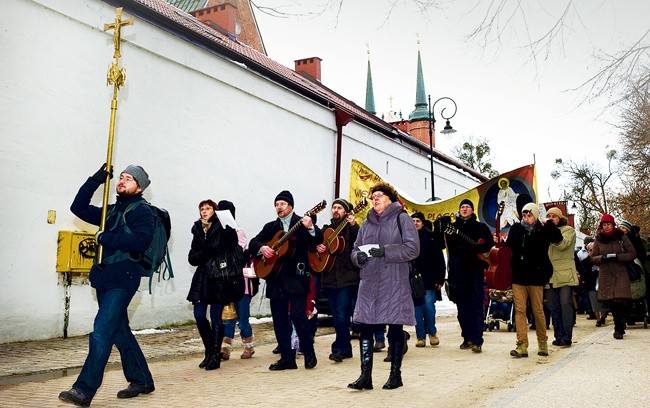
x,y
155,259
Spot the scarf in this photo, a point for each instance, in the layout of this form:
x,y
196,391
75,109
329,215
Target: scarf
x,y
528,227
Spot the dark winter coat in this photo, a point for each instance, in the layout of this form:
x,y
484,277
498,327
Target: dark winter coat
x,y
530,263
465,267
431,262
206,246
588,272
613,282
384,291
343,273
127,273
287,281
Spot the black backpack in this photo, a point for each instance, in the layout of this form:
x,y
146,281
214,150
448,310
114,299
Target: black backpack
x,y
155,259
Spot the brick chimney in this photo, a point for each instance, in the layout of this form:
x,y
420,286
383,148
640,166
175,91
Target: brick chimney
x,y
309,66
224,16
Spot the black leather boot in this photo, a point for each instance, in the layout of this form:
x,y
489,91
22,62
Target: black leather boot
x,y
208,342
364,382
214,360
395,377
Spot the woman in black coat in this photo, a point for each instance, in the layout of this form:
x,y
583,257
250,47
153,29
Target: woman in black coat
x,y
210,239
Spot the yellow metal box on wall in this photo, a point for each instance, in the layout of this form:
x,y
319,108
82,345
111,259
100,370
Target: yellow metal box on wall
x,y
75,251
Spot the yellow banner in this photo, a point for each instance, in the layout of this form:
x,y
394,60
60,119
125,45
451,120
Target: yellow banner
x,y
486,197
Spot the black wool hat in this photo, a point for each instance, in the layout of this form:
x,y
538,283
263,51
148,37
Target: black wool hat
x,y
419,215
466,201
284,195
343,203
227,205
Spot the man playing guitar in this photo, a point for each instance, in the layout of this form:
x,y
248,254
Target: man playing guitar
x,y
466,273
342,280
290,284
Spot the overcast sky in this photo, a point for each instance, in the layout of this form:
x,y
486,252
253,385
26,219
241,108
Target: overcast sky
x,y
524,109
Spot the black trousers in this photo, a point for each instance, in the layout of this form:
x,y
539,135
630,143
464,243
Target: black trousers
x,y
285,312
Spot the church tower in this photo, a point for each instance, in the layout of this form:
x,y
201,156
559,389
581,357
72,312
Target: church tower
x,y
419,119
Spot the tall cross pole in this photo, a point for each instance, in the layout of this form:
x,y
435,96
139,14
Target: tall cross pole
x,y
116,77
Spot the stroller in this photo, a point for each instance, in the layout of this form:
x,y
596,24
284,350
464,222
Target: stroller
x,y
500,309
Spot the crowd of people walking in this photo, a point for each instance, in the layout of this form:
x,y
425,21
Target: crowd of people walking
x,y
371,275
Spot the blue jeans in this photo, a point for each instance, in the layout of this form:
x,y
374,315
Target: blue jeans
x,y
425,315
201,313
340,301
111,326
243,308
560,301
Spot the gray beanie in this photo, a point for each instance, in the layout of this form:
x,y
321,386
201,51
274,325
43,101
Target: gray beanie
x,y
140,176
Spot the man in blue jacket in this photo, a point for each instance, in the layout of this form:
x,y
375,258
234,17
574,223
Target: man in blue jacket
x,y
115,283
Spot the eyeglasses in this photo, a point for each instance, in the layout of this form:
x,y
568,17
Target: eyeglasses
x,y
378,194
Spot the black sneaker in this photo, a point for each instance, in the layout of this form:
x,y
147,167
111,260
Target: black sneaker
x,y
74,396
466,345
133,390
283,365
565,343
557,342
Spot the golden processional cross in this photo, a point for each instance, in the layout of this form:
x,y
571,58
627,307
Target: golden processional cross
x,y
115,77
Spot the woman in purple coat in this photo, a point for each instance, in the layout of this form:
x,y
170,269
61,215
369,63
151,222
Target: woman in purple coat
x,y
387,241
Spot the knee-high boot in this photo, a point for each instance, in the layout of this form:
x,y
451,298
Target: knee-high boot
x,y
395,377
364,382
214,361
208,341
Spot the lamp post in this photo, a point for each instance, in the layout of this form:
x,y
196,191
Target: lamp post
x,y
446,129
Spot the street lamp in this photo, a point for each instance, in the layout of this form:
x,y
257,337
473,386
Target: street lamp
x,y
445,130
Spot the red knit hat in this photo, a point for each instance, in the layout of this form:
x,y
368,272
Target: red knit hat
x,y
606,218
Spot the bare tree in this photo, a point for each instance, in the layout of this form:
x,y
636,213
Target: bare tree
x,y
500,19
633,201
475,154
589,187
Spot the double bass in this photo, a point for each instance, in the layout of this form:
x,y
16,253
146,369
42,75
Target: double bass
x,y
499,274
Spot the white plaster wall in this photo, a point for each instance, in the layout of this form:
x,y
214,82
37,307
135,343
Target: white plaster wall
x,y
202,127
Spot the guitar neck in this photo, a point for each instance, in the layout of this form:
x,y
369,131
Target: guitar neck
x,y
343,223
288,235
465,237
337,231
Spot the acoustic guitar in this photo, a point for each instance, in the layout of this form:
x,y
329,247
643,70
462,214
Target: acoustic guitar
x,y
502,276
281,244
482,256
334,244
491,271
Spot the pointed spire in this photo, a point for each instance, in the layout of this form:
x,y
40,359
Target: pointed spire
x,y
421,111
370,95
